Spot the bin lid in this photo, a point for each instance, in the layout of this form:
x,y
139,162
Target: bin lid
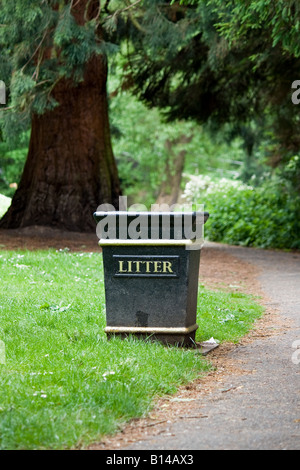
x,y
122,225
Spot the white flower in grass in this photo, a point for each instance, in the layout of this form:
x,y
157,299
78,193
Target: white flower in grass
x,y
42,392
107,374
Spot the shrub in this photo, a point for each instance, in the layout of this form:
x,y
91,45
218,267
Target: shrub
x,y
267,216
12,162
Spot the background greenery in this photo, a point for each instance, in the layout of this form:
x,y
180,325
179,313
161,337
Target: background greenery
x,y
4,204
219,72
250,204
266,215
139,140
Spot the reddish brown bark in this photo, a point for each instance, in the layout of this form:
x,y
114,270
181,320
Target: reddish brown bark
x,y
70,168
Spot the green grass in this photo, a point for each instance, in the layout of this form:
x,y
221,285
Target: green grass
x,y
227,316
62,384
4,204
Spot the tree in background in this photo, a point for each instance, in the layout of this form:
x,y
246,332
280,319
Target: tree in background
x,y
223,63
54,60
275,27
219,63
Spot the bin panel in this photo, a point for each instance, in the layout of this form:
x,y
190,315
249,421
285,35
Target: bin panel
x,y
150,286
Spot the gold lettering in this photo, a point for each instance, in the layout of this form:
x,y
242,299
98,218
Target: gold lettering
x,y
138,264
157,266
121,267
148,266
167,267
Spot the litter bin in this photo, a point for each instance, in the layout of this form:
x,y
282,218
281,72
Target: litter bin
x,y
151,267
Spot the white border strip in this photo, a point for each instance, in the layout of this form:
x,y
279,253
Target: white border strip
x,y
115,242
150,330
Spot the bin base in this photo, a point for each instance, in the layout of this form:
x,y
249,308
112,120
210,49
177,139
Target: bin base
x,y
172,336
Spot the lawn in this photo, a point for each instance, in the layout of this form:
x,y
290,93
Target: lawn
x,y
63,385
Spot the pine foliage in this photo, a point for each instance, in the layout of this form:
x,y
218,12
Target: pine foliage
x,y
221,62
212,61
41,43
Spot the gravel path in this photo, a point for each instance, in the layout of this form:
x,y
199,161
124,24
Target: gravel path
x,y
258,409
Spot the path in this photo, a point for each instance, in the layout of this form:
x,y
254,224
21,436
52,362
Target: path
x,y
259,408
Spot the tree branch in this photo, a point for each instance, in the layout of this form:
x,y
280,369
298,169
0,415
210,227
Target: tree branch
x,y
36,50
122,10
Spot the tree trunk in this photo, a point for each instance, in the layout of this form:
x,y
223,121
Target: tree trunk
x,y
170,188
70,168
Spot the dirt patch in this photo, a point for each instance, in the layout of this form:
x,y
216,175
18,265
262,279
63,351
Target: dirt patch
x,y
44,238
219,271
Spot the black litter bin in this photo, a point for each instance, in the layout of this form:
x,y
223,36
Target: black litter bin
x,y
151,268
